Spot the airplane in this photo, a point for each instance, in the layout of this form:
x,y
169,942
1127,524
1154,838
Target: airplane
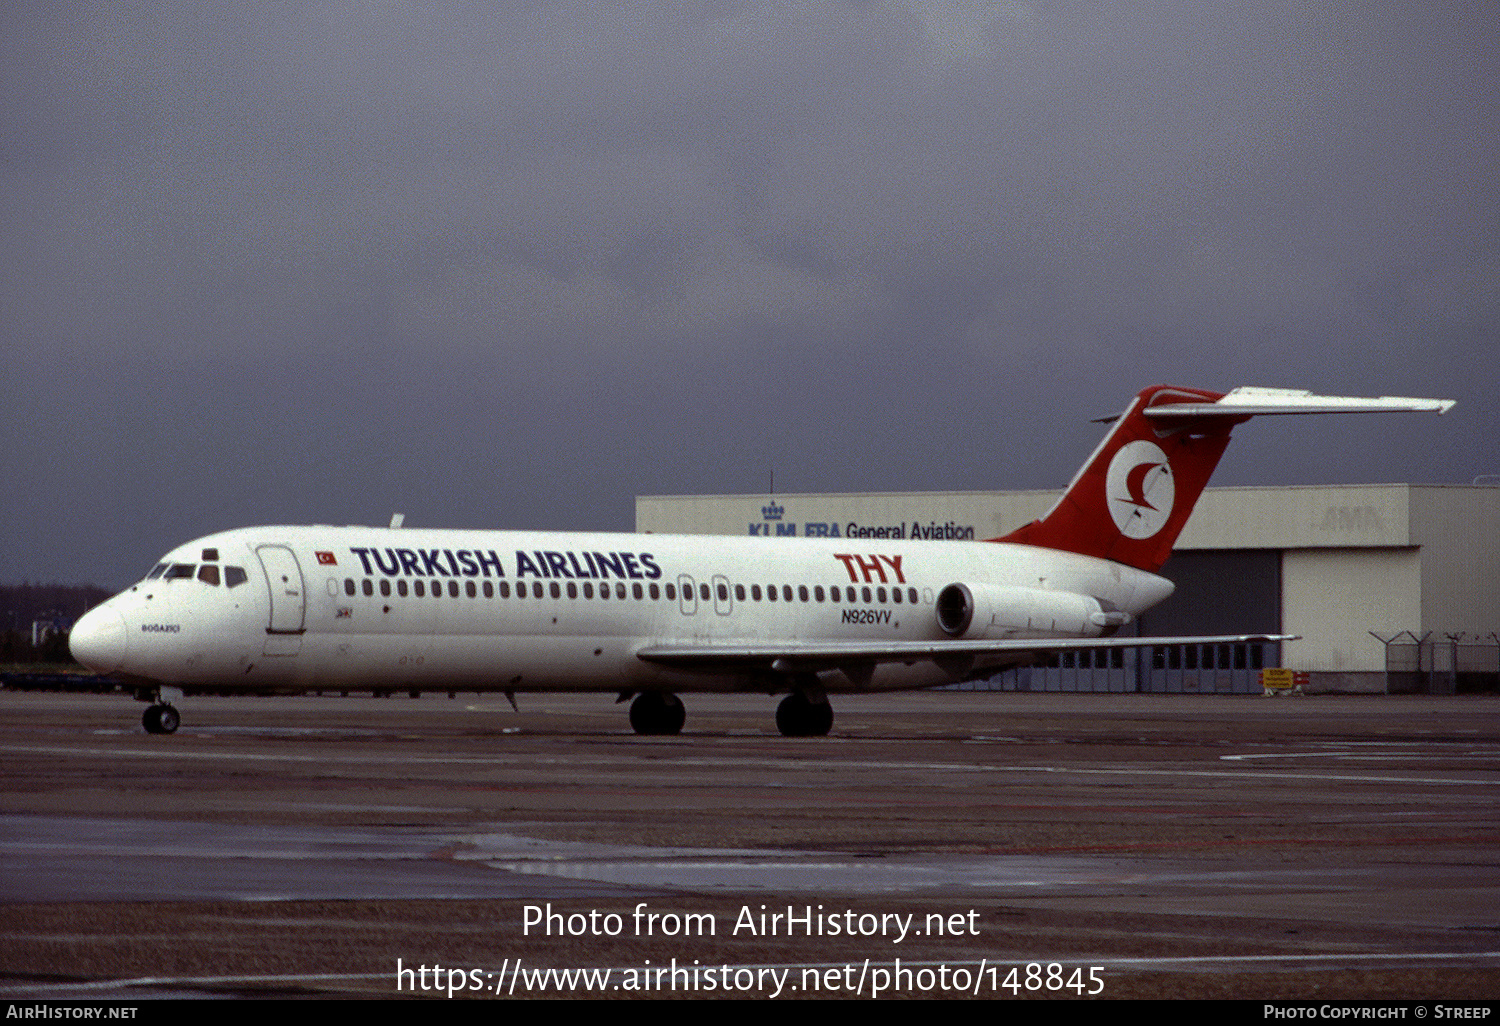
x,y
290,610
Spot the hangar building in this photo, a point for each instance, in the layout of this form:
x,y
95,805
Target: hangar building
x,y
1391,587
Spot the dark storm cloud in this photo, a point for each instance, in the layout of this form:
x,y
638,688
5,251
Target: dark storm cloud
x,y
512,266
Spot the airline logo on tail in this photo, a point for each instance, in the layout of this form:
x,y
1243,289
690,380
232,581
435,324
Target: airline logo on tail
x,y
1149,471
1140,489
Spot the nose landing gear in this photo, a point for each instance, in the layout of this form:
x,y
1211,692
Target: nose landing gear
x,y
161,716
160,719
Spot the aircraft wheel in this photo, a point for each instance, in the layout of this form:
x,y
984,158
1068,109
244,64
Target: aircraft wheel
x,y
657,712
160,719
798,717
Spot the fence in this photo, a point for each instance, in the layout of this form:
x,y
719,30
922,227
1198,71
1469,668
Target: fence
x,y
1441,664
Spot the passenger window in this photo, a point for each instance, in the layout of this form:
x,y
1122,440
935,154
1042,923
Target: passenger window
x,y
505,589
385,588
770,593
418,589
588,590
437,589
401,588
671,590
880,595
521,590
489,589
604,591
453,589
786,592
866,593
818,592
620,591
655,592
234,575
536,590
572,590
739,593
209,575
755,592
723,593
911,593
348,586
556,590
367,586
470,589
802,592
635,589
896,595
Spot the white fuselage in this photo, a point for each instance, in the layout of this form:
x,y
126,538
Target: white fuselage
x,y
360,608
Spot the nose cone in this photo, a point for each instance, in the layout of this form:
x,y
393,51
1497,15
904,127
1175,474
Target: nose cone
x,y
98,640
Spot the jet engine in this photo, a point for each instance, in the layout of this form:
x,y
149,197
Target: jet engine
x,y
980,612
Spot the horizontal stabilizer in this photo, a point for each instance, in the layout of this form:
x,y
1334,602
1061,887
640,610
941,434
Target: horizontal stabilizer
x,y
1131,499
1250,401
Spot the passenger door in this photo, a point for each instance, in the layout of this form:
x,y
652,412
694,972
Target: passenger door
x,y
288,599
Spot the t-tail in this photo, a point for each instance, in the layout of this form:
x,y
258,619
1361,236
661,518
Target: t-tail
x,y
1132,497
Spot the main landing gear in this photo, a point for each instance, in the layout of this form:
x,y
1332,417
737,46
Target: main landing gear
x,y
799,716
661,713
160,719
657,712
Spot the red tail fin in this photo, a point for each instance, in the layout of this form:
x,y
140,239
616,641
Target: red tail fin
x,y
1131,498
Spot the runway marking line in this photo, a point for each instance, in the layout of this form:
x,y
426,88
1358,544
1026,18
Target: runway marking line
x,y
802,765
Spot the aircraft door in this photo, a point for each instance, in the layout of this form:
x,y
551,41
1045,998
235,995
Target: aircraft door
x,y
687,592
723,603
288,596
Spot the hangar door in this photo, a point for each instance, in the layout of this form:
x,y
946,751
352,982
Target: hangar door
x,y
1219,591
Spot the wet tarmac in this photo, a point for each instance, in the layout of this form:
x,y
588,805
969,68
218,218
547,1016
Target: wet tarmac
x,y
1170,845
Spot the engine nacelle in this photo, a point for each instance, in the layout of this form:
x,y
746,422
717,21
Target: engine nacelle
x,y
979,612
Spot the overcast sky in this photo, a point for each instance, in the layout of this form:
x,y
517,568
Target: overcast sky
x,y
510,265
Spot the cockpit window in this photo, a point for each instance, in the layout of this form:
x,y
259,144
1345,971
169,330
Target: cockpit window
x,y
234,575
179,570
156,571
209,574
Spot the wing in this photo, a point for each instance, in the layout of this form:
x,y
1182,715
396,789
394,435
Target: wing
x,y
783,657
